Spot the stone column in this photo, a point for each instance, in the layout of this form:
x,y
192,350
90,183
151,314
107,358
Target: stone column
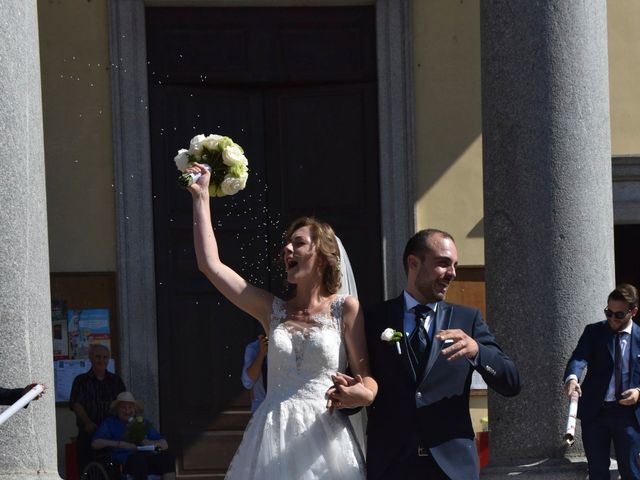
x,y
548,212
28,439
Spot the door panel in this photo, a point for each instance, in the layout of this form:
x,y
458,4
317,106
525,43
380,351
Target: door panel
x,y
201,335
261,45
325,142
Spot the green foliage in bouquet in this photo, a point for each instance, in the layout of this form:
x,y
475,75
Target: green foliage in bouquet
x,y
136,430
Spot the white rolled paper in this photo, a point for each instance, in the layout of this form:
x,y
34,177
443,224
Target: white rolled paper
x,y
147,448
570,434
196,176
21,402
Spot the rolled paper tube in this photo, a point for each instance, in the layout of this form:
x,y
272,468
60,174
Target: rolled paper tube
x,y
147,448
196,176
570,434
21,402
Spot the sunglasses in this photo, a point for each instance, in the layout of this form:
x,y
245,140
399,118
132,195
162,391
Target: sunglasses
x,y
618,315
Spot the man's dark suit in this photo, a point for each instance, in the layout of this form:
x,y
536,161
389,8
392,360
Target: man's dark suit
x,y
595,349
442,423
9,396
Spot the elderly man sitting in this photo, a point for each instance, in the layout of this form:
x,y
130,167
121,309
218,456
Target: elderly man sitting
x,y
134,442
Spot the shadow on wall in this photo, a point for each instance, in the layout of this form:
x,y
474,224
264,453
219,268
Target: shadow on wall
x,y
478,230
447,86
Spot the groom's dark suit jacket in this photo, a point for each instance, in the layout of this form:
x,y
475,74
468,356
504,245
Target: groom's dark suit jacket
x,y
595,349
442,422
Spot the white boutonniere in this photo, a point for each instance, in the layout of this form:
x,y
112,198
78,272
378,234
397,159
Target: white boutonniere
x,y
392,336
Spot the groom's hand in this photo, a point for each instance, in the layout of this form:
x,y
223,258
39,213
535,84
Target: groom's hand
x,y
457,344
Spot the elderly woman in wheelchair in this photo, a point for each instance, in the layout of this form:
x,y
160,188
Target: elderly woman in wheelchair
x,y
136,447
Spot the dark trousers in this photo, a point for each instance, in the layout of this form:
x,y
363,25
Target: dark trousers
x,y
411,466
618,425
84,452
141,464
415,468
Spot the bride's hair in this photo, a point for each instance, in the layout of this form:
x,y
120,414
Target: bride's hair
x,y
324,238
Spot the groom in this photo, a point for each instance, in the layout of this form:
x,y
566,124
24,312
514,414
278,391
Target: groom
x,y
419,424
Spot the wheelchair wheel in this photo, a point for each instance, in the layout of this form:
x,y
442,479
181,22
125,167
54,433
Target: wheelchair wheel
x,y
98,471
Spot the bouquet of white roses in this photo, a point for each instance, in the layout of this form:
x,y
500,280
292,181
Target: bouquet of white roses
x,y
222,157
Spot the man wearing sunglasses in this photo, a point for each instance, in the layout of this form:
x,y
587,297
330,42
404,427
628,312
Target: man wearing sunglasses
x,y
608,409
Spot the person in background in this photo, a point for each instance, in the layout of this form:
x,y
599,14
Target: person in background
x,y
608,408
91,396
254,371
126,430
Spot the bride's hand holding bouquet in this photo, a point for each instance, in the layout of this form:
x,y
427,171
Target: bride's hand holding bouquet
x,y
201,186
220,157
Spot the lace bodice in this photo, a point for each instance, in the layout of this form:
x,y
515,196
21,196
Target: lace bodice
x,y
302,357
292,435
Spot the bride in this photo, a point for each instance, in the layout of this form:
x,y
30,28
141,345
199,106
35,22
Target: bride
x,y
298,432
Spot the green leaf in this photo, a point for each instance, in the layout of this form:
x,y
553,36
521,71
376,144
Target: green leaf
x,y
185,180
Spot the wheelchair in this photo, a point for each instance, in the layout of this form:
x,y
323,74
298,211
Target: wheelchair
x,y
102,467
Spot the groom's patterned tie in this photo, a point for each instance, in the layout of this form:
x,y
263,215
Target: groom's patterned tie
x,y
419,338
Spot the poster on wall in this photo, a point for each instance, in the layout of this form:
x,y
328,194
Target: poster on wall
x,y
60,339
85,328
59,330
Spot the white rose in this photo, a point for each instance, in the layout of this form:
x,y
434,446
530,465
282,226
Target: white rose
x,y
182,159
195,146
211,142
387,334
233,155
237,171
232,185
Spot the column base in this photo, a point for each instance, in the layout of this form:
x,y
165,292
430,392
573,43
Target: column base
x,y
30,476
547,469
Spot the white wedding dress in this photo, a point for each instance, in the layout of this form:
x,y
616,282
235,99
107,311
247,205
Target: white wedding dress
x,y
292,436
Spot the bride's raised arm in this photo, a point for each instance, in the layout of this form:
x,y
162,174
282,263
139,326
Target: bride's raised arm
x,y
255,301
